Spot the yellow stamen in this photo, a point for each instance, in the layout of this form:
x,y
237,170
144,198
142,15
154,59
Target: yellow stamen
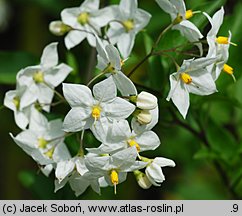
x,y
96,112
128,25
16,102
83,18
42,143
122,62
134,143
50,153
178,19
224,40
186,78
114,179
38,77
229,70
189,14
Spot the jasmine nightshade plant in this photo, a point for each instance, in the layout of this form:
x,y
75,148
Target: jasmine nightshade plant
x,y
109,108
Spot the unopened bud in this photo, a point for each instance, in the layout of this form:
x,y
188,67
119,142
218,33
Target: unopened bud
x,y
146,101
144,117
142,180
58,28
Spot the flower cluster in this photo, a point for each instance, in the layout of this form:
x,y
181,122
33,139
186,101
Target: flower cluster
x,y
119,117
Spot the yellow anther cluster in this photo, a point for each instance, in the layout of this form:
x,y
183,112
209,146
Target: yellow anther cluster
x,y
16,102
222,40
229,70
42,143
189,14
96,112
114,177
128,25
50,153
186,78
38,77
134,143
83,18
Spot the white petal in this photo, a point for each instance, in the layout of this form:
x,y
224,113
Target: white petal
x,y
77,95
126,44
90,5
76,119
79,185
124,84
128,7
105,90
61,153
179,95
49,57
142,18
163,162
167,6
113,56
63,169
74,37
154,171
118,109
202,83
148,141
58,74
46,170
21,119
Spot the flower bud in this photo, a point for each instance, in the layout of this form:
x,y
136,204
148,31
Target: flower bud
x,y
146,101
144,117
58,28
142,180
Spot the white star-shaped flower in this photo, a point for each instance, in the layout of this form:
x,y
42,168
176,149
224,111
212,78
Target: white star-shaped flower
x,y
180,16
94,112
218,45
110,63
42,79
43,141
192,77
85,22
120,137
131,20
114,168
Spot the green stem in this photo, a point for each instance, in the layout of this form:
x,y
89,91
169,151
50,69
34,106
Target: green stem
x,y
56,92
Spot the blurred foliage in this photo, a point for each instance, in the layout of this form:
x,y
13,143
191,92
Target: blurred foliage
x,y
207,147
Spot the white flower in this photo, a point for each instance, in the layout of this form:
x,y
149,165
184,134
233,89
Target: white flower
x,y
131,20
121,137
192,77
94,112
114,168
43,141
110,63
154,172
85,21
218,45
180,16
21,106
42,79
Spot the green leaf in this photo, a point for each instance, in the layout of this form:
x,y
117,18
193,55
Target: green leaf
x,y
11,63
222,142
205,153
